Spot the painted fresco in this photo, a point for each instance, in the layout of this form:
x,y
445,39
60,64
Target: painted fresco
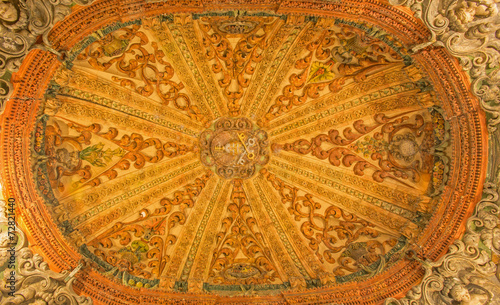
x,y
243,154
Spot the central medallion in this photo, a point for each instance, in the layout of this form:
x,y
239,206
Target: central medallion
x,y
234,148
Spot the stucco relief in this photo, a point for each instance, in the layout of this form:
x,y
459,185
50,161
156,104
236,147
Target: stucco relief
x,y
21,23
457,287
92,146
466,275
470,30
31,279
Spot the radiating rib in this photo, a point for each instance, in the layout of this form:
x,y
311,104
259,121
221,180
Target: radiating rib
x,y
92,220
152,230
393,224
136,62
328,231
406,198
189,45
286,58
74,110
172,41
333,117
234,59
198,256
132,149
340,187
303,259
286,266
188,237
279,42
84,84
89,197
240,240
393,81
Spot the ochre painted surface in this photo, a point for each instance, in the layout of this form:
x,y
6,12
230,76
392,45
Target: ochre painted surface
x,y
240,156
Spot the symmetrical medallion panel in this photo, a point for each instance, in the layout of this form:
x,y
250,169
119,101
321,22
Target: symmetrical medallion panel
x,y
243,153
329,178
235,148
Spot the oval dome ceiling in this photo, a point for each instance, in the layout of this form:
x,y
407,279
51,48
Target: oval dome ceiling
x,y
249,155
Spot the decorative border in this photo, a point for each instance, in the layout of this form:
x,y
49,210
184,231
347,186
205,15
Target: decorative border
x,y
461,109
471,36
18,36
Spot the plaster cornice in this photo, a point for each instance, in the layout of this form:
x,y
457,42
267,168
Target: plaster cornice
x,y
475,43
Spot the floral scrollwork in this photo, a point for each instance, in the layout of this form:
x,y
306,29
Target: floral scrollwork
x,y
393,147
22,22
465,275
470,30
34,282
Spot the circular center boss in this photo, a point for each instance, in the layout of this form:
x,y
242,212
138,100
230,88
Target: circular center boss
x,y
233,148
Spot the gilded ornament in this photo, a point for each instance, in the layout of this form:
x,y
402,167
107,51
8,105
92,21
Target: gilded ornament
x,y
147,157
235,148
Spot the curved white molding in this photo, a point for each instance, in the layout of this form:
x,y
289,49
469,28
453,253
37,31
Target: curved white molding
x,y
27,278
21,23
468,29
466,274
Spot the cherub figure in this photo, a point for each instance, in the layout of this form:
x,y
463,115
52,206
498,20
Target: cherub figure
x,y
475,296
69,160
8,11
467,289
490,234
13,14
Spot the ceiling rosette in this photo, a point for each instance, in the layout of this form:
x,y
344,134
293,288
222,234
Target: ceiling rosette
x,y
244,155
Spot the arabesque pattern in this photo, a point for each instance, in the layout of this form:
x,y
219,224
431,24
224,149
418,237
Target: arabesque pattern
x,y
387,136
248,154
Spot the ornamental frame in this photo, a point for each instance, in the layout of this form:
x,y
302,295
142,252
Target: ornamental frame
x,y
469,30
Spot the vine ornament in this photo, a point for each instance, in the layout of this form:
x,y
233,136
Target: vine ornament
x,y
466,274
21,23
463,27
34,281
